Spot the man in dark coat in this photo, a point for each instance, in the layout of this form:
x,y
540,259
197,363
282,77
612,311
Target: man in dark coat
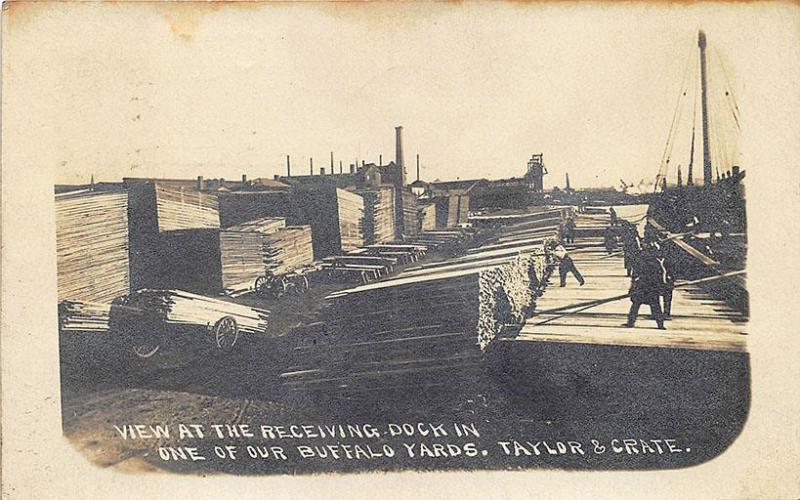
x,y
666,279
646,286
631,245
610,239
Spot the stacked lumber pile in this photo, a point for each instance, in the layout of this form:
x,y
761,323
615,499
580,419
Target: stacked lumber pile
x,y
439,239
427,216
288,249
157,208
180,308
516,217
379,216
74,316
184,208
451,210
409,328
245,206
92,245
265,225
408,212
242,258
336,217
350,208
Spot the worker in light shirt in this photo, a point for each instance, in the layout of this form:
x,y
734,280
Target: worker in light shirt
x,y
565,264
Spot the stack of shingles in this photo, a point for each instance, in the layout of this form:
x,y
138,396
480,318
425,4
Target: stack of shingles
x,y
181,308
92,245
420,328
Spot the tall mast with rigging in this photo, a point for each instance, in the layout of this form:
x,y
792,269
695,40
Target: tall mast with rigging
x,y
701,42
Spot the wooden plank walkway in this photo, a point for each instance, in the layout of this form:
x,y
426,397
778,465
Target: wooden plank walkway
x,y
698,320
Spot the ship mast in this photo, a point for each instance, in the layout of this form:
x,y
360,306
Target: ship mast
x,y
701,42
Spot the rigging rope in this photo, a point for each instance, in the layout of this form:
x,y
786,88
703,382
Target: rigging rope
x,y
675,119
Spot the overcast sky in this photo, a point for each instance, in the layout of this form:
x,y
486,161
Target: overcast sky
x,y
178,91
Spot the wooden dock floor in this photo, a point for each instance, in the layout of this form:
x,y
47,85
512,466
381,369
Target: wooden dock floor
x,y
698,321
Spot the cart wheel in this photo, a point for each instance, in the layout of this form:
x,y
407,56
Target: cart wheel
x,y
146,339
226,332
305,286
261,285
146,351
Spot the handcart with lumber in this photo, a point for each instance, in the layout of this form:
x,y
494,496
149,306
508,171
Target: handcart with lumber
x,y
147,321
295,282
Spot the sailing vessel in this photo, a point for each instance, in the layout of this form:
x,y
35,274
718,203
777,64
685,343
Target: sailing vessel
x,y
712,207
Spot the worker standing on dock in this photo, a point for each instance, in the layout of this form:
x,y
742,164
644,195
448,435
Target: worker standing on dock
x,y
610,239
613,214
646,287
667,279
631,245
565,264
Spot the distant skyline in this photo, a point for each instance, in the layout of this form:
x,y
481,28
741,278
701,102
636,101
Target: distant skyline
x,y
221,91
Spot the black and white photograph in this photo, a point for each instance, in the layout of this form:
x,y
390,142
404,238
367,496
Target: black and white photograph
x,y
344,238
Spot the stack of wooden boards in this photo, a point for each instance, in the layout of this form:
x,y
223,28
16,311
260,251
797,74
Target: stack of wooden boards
x,y
74,316
336,216
408,213
288,249
436,239
451,210
430,323
185,208
435,323
157,208
92,245
231,259
379,215
427,216
180,308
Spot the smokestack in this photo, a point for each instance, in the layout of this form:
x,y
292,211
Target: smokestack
x,y
311,166
567,188
332,162
417,166
380,159
341,168
201,185
244,178
363,163
398,153
288,167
